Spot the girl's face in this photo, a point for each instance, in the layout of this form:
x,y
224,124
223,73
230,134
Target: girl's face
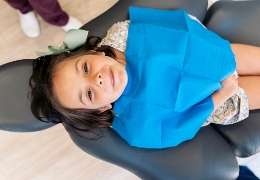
x,y
90,82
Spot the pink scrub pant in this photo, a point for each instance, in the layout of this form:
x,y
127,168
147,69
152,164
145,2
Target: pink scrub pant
x,y
49,10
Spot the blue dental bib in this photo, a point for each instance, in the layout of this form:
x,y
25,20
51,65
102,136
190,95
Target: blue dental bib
x,y
174,65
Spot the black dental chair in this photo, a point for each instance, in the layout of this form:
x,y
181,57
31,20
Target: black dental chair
x,y
210,155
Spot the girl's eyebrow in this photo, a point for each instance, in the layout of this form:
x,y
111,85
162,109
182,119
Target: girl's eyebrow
x,y
76,66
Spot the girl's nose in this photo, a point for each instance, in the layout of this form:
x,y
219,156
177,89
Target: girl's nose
x,y
99,80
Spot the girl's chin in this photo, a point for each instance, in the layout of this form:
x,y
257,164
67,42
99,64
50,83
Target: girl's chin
x,y
120,81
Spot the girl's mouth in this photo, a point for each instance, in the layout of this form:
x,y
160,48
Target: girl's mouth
x,y
112,78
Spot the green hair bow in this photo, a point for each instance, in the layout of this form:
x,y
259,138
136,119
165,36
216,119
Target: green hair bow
x,y
74,38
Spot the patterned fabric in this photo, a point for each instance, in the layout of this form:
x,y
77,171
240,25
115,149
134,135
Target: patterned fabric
x,y
233,110
116,36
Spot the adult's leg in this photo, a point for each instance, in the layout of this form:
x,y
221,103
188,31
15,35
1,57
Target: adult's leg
x,y
247,59
22,5
50,11
251,86
28,21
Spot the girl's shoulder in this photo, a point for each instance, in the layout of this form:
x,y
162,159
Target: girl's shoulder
x,y
117,35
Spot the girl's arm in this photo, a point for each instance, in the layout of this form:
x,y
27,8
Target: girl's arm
x,y
229,88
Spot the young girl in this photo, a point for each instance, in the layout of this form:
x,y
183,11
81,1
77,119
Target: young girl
x,y
84,83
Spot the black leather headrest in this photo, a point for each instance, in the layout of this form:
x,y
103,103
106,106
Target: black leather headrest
x,y
15,114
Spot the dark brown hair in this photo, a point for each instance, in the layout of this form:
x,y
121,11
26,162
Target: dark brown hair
x,y
44,103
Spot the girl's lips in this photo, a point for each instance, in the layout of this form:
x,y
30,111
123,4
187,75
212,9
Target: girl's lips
x,y
112,78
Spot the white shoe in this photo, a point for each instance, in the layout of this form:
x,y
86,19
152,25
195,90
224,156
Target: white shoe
x,y
73,23
29,24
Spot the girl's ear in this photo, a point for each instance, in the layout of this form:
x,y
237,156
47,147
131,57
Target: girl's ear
x,y
102,53
104,108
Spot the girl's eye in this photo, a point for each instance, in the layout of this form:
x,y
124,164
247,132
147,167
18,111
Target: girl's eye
x,y
89,94
86,68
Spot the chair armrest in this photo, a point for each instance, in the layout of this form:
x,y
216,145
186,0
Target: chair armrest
x,y
243,137
238,22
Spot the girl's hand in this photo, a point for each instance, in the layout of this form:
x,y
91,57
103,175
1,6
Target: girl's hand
x,y
229,86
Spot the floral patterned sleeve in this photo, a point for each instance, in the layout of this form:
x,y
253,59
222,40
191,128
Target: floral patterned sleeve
x,y
116,36
235,109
